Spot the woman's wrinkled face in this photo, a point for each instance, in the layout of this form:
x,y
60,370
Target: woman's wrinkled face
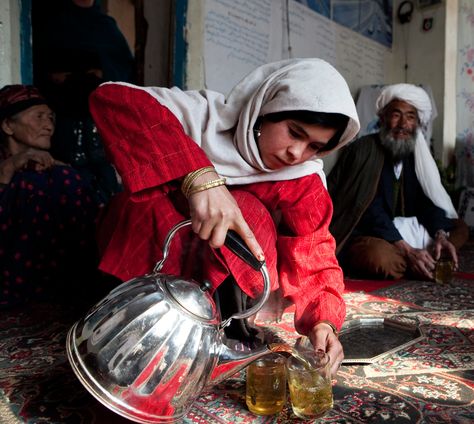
x,y
32,127
290,142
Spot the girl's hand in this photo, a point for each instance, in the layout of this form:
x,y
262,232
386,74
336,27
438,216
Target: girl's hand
x,y
323,338
215,211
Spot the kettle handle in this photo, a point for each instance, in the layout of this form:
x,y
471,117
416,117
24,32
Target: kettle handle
x,y
235,243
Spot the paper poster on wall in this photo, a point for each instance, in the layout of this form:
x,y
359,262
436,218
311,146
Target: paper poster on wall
x,y
238,38
323,7
241,35
372,19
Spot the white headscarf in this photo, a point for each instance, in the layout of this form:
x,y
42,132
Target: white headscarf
x,y
425,166
223,127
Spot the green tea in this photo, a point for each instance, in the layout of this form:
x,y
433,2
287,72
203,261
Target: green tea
x,y
266,387
310,398
444,271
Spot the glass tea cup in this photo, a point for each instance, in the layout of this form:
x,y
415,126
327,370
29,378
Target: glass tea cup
x,y
309,381
444,270
266,385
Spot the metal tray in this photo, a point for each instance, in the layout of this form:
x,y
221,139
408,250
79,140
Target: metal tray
x,y
367,339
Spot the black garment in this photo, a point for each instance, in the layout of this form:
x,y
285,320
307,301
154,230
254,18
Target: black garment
x,y
75,50
47,237
61,26
230,299
353,185
377,220
85,152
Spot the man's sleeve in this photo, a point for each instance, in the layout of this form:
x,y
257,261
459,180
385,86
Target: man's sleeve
x,y
432,217
377,222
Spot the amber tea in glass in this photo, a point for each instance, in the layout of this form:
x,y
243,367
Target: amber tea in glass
x,y
310,387
444,270
266,385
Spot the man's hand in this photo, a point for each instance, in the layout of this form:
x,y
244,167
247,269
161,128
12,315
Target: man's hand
x,y
419,260
442,244
323,338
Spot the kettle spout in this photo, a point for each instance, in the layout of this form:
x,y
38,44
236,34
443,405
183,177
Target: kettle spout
x,y
231,361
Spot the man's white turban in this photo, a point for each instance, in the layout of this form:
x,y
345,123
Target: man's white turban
x,y
425,166
409,93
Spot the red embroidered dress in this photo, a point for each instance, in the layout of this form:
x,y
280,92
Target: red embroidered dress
x,y
289,218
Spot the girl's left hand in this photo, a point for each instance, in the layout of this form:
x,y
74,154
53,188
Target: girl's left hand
x,y
322,337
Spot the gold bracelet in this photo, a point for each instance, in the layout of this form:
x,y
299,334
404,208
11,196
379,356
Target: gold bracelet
x,y
206,186
189,179
333,327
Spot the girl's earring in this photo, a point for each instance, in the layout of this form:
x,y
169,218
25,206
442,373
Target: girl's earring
x,y
257,132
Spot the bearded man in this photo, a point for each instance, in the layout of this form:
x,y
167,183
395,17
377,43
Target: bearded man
x,y
392,216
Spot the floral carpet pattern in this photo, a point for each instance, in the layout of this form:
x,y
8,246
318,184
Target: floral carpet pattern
x,y
431,381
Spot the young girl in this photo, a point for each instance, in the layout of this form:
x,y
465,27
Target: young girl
x,y
248,162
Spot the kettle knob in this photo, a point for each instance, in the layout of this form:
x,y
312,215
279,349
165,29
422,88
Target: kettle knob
x,y
205,286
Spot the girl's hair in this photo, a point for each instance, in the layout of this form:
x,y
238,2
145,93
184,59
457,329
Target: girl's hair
x,y
336,121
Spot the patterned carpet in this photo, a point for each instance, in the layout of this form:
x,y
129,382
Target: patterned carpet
x,y
431,381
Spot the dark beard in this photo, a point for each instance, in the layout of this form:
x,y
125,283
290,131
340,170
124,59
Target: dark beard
x,y
397,148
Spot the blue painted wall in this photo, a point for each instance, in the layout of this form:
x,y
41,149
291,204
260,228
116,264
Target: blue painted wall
x,y
180,46
26,53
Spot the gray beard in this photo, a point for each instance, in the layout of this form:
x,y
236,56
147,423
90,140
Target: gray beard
x,y
397,148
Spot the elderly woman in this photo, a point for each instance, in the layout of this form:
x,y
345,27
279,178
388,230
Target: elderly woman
x,y
47,218
249,162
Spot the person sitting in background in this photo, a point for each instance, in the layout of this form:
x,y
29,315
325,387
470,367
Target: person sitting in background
x,y
392,216
248,162
76,47
47,215
71,76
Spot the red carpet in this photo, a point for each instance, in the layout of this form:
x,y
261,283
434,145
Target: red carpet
x,y
366,285
465,275
353,285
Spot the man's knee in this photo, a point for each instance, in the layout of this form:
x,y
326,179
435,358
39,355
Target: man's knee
x,y
375,257
459,234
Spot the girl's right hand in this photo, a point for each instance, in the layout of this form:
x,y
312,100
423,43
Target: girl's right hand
x,y
215,211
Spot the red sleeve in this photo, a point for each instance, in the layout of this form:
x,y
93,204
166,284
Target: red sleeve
x,y
308,271
143,139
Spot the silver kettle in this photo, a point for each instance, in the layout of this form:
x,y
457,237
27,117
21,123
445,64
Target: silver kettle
x,y
156,342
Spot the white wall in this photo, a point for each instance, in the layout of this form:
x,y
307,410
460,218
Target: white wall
x,y
427,54
9,42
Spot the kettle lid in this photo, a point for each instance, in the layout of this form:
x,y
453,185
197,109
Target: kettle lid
x,y
190,296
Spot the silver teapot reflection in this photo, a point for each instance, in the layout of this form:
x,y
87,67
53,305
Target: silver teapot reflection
x,y
154,343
